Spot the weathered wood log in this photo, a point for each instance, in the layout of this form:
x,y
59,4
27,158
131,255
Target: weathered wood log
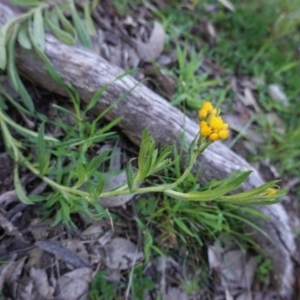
x,y
143,108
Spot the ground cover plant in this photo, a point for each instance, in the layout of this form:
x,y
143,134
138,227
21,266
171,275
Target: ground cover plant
x,y
178,224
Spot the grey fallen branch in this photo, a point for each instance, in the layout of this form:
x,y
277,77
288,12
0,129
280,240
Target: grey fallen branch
x,y
142,108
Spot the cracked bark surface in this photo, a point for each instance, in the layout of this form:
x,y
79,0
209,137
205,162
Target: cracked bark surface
x,y
142,108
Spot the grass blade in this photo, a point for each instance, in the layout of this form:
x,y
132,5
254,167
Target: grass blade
x,y
81,31
18,187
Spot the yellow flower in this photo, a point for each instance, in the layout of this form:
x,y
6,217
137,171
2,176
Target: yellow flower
x,y
225,125
203,113
207,105
271,192
205,131
223,134
216,123
211,125
214,112
214,137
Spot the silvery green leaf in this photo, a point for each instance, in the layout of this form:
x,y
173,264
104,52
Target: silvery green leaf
x,y
63,36
25,3
88,19
66,25
81,31
23,38
3,53
38,29
130,176
11,66
19,189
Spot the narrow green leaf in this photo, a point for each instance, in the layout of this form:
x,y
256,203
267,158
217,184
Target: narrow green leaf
x,y
41,149
96,97
191,149
3,54
122,97
58,218
183,227
80,173
154,157
99,187
25,3
95,4
23,38
19,189
27,100
88,19
81,31
43,155
38,29
95,163
14,102
63,36
130,176
59,170
211,195
11,66
67,26
109,125
53,73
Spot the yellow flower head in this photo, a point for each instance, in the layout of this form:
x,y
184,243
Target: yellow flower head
x,y
271,192
223,134
207,105
203,113
205,131
211,124
216,123
214,137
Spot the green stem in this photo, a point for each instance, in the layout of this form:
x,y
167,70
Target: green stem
x,y
161,188
23,130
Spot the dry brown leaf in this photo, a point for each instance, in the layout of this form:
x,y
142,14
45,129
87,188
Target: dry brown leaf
x,y
92,232
77,247
276,122
151,51
39,230
41,283
8,197
35,258
214,257
175,293
245,296
63,253
74,285
10,229
121,254
249,99
277,94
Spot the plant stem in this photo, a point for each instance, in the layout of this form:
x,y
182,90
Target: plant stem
x,y
161,188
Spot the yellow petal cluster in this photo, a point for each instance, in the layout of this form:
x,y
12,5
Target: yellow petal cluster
x,y
211,124
271,192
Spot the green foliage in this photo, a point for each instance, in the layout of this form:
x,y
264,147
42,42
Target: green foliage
x,y
264,269
101,289
182,211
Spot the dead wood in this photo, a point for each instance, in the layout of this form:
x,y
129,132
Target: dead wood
x,y
142,108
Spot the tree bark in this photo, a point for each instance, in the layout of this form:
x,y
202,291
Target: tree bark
x,y
142,108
